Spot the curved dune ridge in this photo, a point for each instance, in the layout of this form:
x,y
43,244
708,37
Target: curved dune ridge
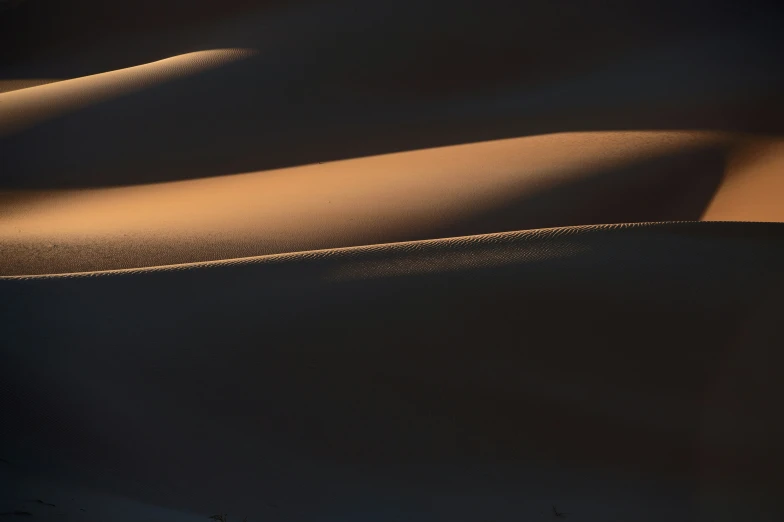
x,y
24,108
533,182
388,392
25,83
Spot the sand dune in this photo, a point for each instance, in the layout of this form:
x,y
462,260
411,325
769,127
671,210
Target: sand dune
x,y
616,372
335,81
516,184
24,83
753,188
24,108
533,182
610,371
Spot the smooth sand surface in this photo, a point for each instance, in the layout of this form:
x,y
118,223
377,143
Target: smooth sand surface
x,y
753,187
616,372
24,108
291,96
515,184
15,85
629,375
343,80
523,183
279,119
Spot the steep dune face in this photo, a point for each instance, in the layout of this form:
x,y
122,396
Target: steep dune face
x,y
753,186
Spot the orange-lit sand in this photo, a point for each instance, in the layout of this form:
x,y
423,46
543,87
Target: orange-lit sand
x,y
395,197
24,83
753,187
24,108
